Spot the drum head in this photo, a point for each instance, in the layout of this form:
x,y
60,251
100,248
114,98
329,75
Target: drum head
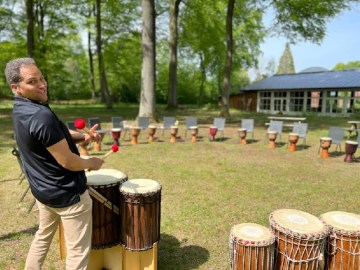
x,y
342,221
140,186
295,222
193,127
116,129
351,142
293,134
251,232
325,139
105,177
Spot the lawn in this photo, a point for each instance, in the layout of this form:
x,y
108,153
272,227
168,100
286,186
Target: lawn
x,y
207,187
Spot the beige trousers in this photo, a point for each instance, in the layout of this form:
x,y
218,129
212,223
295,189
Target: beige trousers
x,y
77,223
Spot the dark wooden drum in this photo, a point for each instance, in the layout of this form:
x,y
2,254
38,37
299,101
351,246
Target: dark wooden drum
x,y
140,207
103,187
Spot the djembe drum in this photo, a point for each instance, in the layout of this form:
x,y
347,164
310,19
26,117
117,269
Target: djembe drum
x,y
212,132
173,133
272,138
342,250
350,149
242,134
115,134
194,132
299,239
251,247
140,205
97,145
135,131
325,143
293,139
152,131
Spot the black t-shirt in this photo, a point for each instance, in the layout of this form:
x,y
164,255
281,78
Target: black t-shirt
x,y
36,128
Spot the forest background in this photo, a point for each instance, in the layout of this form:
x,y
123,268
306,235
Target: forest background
x,y
155,52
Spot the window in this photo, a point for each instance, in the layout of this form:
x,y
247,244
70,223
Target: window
x,y
296,101
265,101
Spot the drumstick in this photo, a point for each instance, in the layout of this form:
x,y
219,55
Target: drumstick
x,y
80,124
114,149
104,200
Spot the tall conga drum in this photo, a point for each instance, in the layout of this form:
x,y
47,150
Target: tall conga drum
x,y
103,187
293,139
325,143
135,131
212,133
115,134
152,131
140,205
173,133
242,135
251,247
299,239
272,138
194,133
350,149
342,250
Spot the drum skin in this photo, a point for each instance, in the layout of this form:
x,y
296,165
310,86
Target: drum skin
x,y
106,223
299,239
343,243
140,208
251,247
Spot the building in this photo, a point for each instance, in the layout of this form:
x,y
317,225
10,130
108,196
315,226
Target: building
x,y
312,90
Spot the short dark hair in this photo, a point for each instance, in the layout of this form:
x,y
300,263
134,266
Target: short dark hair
x,y
12,69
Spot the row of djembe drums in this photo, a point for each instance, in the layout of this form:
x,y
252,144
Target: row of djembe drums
x,y
297,240
126,221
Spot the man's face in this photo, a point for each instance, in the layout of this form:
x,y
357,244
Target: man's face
x,y
32,85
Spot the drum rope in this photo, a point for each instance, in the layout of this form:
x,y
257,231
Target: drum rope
x,y
342,249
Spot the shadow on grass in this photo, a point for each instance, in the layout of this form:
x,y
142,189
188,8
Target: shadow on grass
x,y
174,254
17,235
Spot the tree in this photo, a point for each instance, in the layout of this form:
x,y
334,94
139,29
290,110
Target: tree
x,y
286,63
148,77
349,65
173,44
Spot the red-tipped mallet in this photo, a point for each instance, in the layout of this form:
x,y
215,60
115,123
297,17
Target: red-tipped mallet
x,y
80,124
114,149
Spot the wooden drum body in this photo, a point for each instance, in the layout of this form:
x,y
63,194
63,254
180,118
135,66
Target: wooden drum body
x,y
293,139
173,133
152,131
325,143
299,239
135,131
194,132
115,134
212,133
242,134
97,145
104,186
343,243
251,247
350,149
140,207
272,138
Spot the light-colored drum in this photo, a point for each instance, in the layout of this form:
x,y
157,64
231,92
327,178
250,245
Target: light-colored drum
x,y
103,187
343,243
325,143
173,133
299,239
242,134
140,207
251,247
194,133
272,138
293,139
152,131
135,131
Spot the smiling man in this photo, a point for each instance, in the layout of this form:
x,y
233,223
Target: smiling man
x,y
53,166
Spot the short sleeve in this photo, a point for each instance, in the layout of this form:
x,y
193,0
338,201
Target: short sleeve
x,y
45,128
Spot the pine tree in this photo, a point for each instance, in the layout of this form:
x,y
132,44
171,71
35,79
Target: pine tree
x,y
286,63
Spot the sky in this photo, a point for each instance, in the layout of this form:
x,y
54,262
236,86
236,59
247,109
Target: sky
x,y
341,44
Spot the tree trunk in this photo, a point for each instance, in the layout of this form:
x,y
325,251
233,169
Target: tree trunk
x,y
173,44
148,77
91,58
30,28
103,81
203,80
225,112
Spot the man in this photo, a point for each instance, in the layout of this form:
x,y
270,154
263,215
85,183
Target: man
x,y
53,166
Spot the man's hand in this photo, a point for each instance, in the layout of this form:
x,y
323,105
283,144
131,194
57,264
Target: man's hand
x,y
96,137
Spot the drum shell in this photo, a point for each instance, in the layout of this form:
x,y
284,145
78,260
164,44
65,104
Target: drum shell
x,y
350,148
250,257
106,223
297,253
140,225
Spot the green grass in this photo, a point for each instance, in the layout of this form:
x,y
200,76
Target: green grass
x,y
207,186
